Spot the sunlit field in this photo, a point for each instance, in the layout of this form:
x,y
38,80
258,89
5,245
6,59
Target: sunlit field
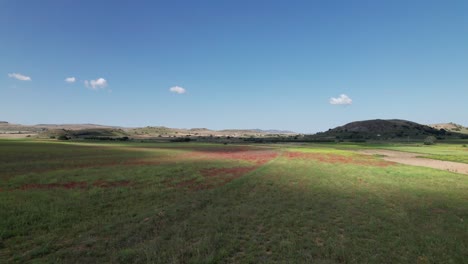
x,y
79,202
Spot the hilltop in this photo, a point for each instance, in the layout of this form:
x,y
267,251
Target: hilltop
x,y
451,127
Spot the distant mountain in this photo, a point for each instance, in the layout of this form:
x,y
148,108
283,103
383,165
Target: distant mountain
x,y
258,131
275,131
74,126
99,131
382,129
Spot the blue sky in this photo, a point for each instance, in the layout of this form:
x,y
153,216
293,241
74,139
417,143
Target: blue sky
x,y
242,64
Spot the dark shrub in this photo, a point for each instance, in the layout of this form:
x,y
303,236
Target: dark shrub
x,y
63,137
430,140
181,139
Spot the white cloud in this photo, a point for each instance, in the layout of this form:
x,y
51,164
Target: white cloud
x,y
70,79
343,99
19,76
177,89
97,84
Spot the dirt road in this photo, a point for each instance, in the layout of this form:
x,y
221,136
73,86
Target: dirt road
x,y
413,159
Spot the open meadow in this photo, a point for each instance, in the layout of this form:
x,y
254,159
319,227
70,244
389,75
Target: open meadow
x,y
132,202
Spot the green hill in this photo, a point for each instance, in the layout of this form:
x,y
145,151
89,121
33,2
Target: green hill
x,y
378,129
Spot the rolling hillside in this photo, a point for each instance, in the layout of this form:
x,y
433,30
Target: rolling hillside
x,y
93,131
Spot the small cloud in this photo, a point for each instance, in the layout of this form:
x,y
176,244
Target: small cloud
x,y
70,79
177,90
97,84
19,76
343,99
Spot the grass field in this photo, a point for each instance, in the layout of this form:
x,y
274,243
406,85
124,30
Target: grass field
x,y
449,152
78,202
457,151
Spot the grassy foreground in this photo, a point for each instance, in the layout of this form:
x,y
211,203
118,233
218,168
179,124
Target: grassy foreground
x,y
201,203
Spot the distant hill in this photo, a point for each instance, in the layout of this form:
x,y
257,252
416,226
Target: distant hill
x,y
85,133
73,126
257,131
161,131
5,126
275,131
452,127
378,129
102,131
382,129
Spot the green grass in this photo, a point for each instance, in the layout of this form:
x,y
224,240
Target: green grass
x,y
457,152
284,210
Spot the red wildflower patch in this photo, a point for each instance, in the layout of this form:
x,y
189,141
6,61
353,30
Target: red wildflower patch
x,y
231,149
108,184
91,164
74,185
213,177
186,183
66,185
340,159
236,172
258,157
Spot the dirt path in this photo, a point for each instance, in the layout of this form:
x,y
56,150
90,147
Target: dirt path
x,y
413,159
